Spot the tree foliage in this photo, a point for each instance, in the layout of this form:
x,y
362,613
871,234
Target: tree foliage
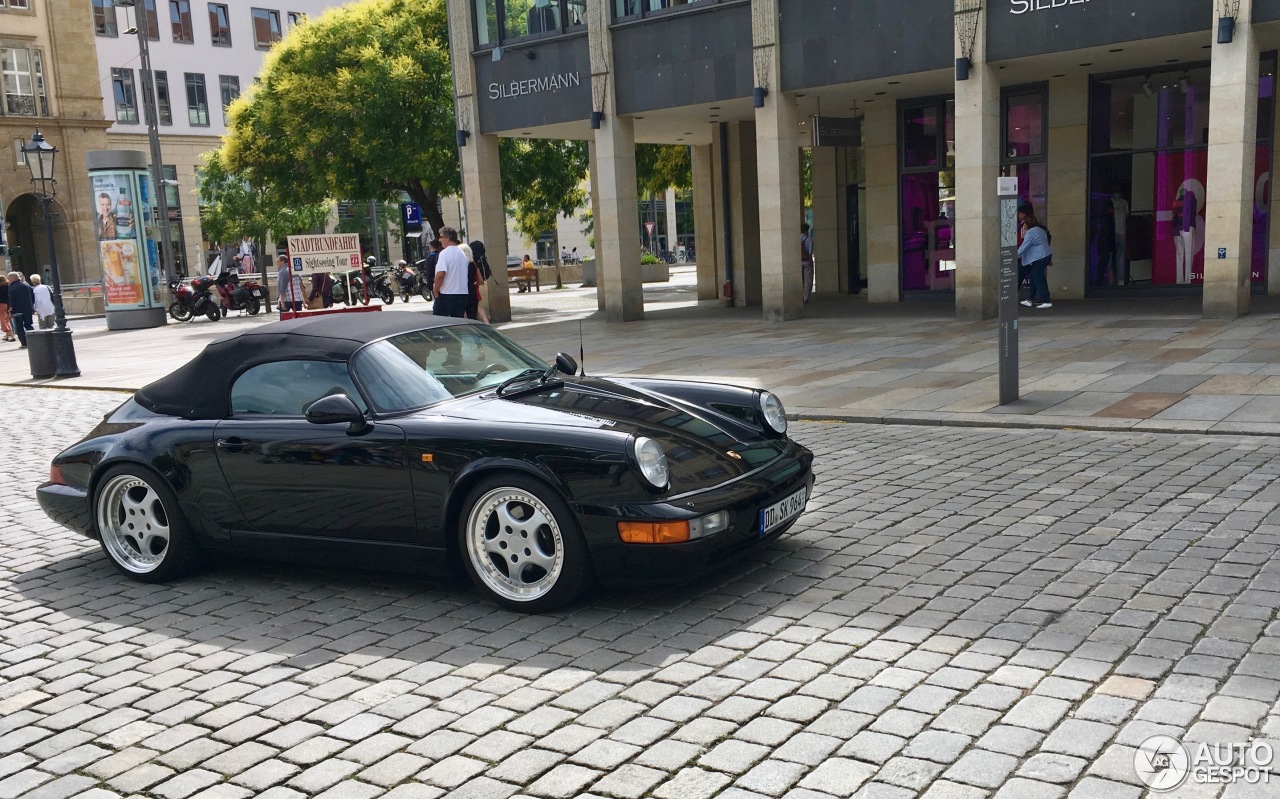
x,y
234,207
355,103
542,180
663,166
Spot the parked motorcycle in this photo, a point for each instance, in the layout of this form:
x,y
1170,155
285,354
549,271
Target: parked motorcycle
x,y
180,306
407,280
238,295
381,287
426,276
202,301
348,288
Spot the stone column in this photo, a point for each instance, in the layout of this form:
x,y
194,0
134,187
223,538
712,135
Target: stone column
x,y
884,239
1067,214
778,174
826,215
977,168
1233,125
704,221
745,210
593,169
481,170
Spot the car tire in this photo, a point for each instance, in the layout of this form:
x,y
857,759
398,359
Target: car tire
x,y
537,559
140,526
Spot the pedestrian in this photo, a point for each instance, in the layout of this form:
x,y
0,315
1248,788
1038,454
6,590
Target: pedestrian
x,y
806,260
5,325
321,295
479,275
43,302
564,254
288,286
573,256
1035,254
450,287
21,306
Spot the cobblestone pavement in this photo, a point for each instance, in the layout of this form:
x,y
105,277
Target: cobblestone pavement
x,y
961,613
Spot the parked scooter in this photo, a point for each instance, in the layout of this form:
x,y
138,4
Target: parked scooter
x,y
237,296
380,284
426,278
202,302
408,282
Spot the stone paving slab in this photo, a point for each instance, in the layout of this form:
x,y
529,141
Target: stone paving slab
x,y
960,612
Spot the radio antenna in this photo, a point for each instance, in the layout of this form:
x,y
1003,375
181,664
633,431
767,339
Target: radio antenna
x,y
582,358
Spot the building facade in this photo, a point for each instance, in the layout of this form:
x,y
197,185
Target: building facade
x,y
203,56
1140,131
48,78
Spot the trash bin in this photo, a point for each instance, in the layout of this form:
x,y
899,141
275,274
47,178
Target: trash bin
x,y
44,364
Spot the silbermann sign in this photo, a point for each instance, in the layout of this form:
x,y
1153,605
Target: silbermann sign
x,y
1026,6
837,131
546,83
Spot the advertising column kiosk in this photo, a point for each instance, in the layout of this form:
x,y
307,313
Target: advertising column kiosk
x,y
131,283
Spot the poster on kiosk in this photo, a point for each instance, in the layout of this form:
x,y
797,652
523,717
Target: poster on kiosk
x,y
122,219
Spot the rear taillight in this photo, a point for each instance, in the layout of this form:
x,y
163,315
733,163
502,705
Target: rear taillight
x,y
55,476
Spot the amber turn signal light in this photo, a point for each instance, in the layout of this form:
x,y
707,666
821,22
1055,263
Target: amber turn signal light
x,y
654,532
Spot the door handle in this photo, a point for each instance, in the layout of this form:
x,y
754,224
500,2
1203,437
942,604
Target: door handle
x,y
230,445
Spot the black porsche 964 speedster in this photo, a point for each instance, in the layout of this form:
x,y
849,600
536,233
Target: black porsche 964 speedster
x,y
410,442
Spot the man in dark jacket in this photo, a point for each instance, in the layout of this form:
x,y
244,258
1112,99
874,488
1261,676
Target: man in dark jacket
x,y
22,306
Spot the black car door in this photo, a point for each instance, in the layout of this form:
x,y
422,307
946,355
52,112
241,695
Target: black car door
x,y
291,477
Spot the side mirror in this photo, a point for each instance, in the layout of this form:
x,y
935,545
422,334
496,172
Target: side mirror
x,y
337,409
566,363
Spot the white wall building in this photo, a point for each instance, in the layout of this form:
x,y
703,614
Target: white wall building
x,y
204,55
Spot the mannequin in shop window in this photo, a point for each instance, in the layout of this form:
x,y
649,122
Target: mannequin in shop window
x,y
544,17
1120,218
1185,209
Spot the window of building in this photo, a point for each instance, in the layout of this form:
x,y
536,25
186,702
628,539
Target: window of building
x,y
1025,145
197,100
164,106
296,18
498,22
180,19
266,28
104,17
123,92
153,21
22,80
928,210
220,24
1149,173
15,4
623,9
230,87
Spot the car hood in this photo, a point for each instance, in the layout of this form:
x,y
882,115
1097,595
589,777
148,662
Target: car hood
x,y
703,447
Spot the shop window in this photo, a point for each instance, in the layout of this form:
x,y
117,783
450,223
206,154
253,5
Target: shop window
x,y
266,28
1148,177
508,20
22,81
104,17
1025,145
928,195
180,20
219,25
122,91
197,100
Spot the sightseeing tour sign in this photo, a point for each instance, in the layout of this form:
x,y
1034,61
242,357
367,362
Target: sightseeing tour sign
x,y
327,252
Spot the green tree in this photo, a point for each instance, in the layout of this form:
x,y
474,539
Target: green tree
x,y
663,166
234,207
543,179
355,103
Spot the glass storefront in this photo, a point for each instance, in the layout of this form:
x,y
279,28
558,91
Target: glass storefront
x,y
928,195
1025,153
1148,171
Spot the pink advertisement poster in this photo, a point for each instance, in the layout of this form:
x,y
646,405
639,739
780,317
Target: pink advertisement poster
x,y
1179,203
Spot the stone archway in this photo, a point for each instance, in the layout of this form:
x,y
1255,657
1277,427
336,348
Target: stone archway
x,y
28,242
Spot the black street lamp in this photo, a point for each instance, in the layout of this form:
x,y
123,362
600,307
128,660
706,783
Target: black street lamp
x,y
40,156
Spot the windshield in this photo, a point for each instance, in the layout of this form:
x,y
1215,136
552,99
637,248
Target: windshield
x,y
414,370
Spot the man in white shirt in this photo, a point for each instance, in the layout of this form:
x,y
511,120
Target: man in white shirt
x,y
451,286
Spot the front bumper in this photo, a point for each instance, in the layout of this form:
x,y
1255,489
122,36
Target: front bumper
x,y
67,506
618,564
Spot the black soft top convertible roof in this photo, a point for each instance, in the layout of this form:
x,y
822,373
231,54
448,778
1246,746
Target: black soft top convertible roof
x,y
201,389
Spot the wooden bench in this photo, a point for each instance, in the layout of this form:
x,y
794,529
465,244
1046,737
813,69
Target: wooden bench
x,y
524,278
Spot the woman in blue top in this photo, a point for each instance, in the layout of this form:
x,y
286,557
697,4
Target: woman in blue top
x,y
1035,255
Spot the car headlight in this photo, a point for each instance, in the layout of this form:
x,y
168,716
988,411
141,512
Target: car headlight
x,y
652,462
773,413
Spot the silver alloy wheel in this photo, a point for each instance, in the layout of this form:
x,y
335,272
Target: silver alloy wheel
x,y
133,523
515,544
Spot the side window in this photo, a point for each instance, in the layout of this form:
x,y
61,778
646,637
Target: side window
x,y
286,388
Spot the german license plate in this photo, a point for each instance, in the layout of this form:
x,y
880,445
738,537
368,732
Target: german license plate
x,y
783,512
